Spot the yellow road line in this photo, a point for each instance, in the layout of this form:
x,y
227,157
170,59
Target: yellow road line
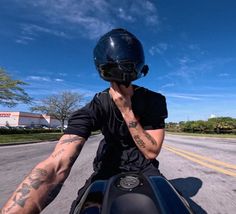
x,y
217,162
227,172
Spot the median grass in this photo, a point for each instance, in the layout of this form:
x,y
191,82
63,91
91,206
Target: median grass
x,y
34,137
25,138
203,135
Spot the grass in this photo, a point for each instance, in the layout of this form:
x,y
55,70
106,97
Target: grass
x,y
35,137
203,135
24,138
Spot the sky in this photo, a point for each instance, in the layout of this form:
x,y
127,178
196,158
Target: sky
x,y
190,47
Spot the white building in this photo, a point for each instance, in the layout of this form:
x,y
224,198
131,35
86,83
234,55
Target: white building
x,y
14,119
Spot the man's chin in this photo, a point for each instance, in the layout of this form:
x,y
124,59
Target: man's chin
x,y
126,84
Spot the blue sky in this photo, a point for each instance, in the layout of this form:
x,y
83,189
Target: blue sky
x,y
190,47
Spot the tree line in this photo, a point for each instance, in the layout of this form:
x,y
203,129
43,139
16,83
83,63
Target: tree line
x,y
217,125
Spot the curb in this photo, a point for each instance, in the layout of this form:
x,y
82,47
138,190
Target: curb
x,y
23,143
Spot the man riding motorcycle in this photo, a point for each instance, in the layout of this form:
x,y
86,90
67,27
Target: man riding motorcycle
x,y
131,119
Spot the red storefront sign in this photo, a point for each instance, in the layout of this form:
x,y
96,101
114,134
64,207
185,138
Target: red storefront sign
x,y
5,114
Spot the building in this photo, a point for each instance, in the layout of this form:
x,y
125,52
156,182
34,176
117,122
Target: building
x,y
14,119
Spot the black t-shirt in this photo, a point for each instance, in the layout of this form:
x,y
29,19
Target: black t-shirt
x,y
117,152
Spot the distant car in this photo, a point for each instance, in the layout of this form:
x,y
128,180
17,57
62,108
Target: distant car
x,y
59,127
38,126
4,127
45,127
20,127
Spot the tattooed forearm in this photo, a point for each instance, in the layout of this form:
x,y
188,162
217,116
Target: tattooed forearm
x,y
58,153
7,210
139,141
132,124
71,140
37,177
149,137
33,181
22,194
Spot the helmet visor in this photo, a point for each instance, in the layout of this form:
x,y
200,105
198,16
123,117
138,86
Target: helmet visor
x,y
122,72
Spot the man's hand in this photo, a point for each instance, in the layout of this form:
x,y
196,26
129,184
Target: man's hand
x,y
121,96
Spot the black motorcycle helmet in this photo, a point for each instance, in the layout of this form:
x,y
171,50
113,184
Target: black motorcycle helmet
x,y
119,57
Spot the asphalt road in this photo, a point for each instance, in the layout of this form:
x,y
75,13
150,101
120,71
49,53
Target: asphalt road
x,y
203,169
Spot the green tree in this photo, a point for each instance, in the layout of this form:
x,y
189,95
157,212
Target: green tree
x,y
59,106
11,91
223,124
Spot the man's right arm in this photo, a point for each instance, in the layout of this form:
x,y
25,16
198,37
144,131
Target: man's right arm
x,y
44,182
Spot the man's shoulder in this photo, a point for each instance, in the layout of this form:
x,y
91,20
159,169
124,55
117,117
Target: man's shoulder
x,y
147,92
101,98
102,94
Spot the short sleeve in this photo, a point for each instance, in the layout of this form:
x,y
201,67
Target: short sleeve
x,y
156,111
85,120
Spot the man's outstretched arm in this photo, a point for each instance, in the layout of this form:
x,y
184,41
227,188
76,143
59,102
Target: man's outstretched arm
x,y
44,182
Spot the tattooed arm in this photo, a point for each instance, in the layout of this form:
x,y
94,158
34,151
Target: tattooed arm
x,y
149,142
44,182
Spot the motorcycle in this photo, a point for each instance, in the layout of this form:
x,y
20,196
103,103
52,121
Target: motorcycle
x,y
130,193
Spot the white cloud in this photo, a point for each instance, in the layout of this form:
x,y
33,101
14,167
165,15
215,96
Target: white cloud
x,y
63,74
146,10
185,61
152,20
190,68
59,80
184,96
194,47
224,75
31,31
24,39
123,15
149,6
44,79
159,49
195,96
39,78
213,116
168,85
90,18
21,41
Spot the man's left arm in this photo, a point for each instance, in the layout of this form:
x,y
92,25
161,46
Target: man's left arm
x,y
149,142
